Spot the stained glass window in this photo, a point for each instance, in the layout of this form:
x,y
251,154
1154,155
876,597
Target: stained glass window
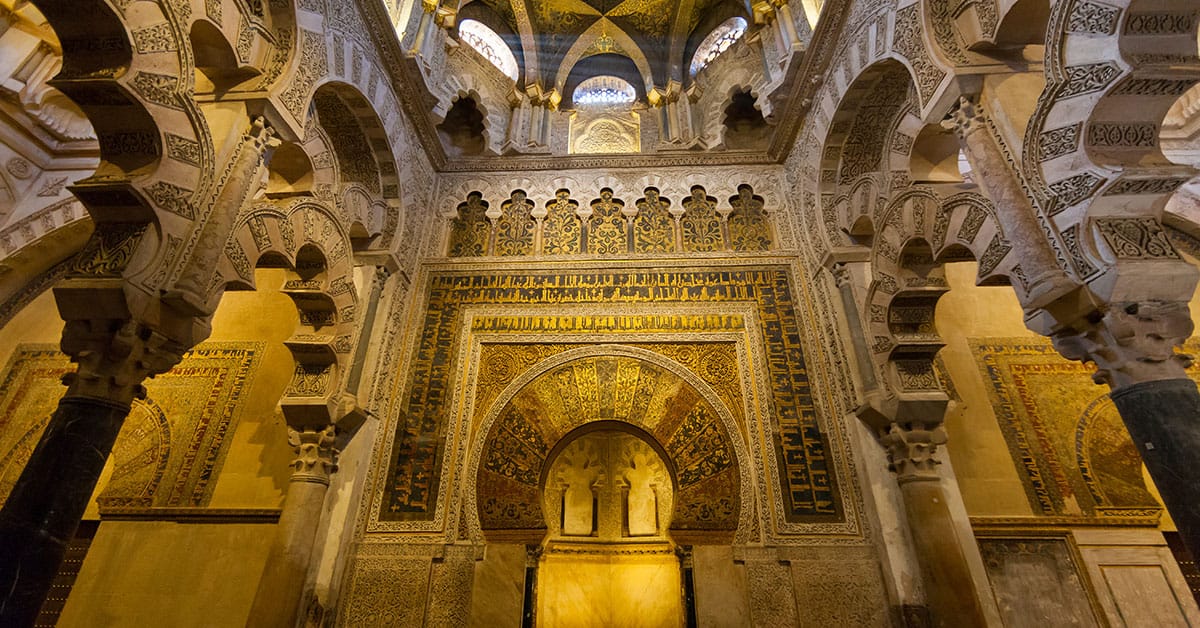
x,y
605,91
486,42
718,41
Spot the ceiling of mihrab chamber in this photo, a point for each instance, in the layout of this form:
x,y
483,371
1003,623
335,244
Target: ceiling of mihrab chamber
x,y
655,31
659,36
616,77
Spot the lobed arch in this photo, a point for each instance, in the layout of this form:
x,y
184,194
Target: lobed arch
x,y
363,157
714,114
276,231
490,104
1095,159
998,24
484,437
917,233
311,169
307,238
581,50
131,92
219,67
857,144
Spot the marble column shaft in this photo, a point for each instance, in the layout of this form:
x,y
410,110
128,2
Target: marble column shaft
x,y
1134,347
950,591
1014,211
44,509
277,601
949,588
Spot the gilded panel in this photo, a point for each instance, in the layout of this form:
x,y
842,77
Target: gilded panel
x,y
749,228
606,228
701,225
1072,452
562,233
177,434
654,226
514,228
470,230
810,490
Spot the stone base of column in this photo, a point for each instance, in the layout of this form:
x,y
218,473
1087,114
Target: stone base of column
x,y
949,590
45,506
1163,417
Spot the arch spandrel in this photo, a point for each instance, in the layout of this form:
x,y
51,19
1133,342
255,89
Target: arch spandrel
x,y
678,413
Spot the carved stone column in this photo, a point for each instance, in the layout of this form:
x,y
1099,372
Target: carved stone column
x,y
277,602
949,588
1133,347
1015,213
843,278
40,517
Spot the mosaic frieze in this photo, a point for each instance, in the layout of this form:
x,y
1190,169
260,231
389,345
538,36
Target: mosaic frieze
x,y
608,388
171,446
605,228
809,486
1071,450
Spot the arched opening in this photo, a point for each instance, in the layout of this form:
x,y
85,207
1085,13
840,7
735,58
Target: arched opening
x,y
935,156
462,130
745,127
490,45
604,474
290,172
717,42
607,494
217,68
604,92
615,66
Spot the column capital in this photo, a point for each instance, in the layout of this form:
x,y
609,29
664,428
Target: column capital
x,y
113,358
1132,342
316,454
841,274
966,116
911,450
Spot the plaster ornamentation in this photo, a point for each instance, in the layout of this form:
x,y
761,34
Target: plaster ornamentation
x,y
316,454
1132,343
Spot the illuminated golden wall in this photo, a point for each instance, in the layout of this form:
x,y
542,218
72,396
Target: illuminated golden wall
x,y
165,560
1030,433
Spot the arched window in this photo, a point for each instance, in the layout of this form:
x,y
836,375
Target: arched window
x,y
487,43
718,41
600,92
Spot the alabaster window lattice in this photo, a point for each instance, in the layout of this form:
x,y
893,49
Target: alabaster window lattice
x,y
486,42
717,42
602,92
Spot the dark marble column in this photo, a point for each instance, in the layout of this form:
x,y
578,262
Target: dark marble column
x,y
1163,417
1133,346
48,500
113,358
